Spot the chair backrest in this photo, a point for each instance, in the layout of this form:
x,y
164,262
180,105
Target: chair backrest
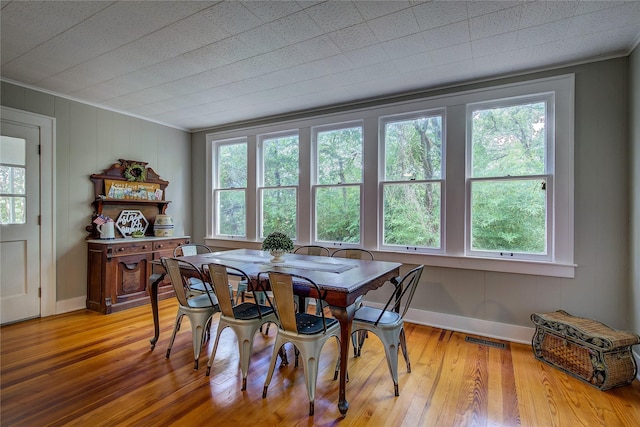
x,y
353,253
314,250
219,275
403,295
179,271
282,287
191,249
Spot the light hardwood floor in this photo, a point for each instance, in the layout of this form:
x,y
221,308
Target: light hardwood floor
x,y
88,369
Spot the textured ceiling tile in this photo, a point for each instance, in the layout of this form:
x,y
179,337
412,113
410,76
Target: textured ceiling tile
x,y
262,39
451,54
334,15
375,9
542,34
269,11
405,46
25,25
499,22
414,62
318,48
396,25
478,8
494,44
436,14
367,56
233,17
538,13
448,35
297,27
354,37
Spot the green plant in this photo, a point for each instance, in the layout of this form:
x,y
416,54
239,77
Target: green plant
x,y
277,241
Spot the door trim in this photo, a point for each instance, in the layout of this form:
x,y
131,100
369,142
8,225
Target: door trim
x,y
47,127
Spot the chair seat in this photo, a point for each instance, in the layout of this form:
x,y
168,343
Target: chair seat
x,y
249,311
308,324
198,285
370,315
201,301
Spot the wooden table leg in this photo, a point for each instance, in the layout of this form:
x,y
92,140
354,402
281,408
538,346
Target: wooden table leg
x,y
154,282
345,317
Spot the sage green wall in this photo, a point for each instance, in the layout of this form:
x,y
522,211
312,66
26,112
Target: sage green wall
x,y
634,138
89,140
600,289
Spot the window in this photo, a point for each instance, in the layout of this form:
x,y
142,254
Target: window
x,y
230,188
13,194
337,189
278,194
510,178
412,184
479,179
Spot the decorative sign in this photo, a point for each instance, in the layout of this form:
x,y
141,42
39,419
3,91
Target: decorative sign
x,y
130,221
125,190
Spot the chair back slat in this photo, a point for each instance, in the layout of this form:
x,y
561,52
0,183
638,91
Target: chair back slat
x,y
314,250
282,288
191,249
403,295
175,268
353,253
220,281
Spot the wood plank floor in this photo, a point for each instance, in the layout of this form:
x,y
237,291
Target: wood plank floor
x,y
88,369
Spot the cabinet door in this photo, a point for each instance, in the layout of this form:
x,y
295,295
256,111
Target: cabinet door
x,y
131,276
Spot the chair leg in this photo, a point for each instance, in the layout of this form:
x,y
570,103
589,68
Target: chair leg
x,y
221,326
276,350
403,346
176,328
391,349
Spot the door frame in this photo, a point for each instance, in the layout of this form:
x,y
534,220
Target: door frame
x,y
47,130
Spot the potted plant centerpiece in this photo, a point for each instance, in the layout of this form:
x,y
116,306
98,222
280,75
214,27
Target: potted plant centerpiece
x,y
277,244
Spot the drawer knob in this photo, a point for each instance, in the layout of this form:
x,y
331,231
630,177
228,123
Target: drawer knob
x,y
120,249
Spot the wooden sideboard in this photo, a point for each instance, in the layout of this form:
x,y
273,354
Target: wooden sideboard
x,y
119,270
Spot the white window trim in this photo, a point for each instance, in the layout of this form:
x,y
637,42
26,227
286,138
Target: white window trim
x,y
315,130
455,102
382,121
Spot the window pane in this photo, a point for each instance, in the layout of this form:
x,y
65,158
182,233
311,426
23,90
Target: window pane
x,y
280,156
412,214
12,180
509,215
509,141
13,150
279,209
232,165
338,214
12,210
231,213
413,149
340,156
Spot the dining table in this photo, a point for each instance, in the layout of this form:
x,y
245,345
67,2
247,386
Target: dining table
x,y
341,281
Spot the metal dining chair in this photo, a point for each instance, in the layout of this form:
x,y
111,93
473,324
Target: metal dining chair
x,y
196,285
313,250
244,318
199,309
388,323
307,332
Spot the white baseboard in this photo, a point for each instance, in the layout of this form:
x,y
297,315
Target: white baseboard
x,y
73,304
485,328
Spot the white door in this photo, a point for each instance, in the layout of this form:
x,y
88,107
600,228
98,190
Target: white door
x,y
19,222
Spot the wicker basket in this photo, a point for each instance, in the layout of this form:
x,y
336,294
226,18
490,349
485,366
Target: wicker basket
x,y
585,348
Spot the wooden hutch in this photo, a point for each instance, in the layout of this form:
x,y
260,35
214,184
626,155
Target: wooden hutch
x,y
119,269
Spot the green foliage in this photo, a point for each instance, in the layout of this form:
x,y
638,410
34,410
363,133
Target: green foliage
x,y
277,241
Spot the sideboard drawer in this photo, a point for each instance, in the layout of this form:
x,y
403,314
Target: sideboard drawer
x,y
167,245
132,248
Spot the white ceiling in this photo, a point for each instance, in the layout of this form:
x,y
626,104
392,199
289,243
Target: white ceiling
x,y
195,64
